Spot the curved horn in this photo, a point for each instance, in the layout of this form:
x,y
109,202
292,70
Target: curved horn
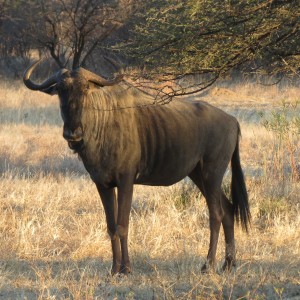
x,y
39,87
92,77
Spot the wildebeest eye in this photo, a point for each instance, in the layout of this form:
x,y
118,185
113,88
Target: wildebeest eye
x,y
61,85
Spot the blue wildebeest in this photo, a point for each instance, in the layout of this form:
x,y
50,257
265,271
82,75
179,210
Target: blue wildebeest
x,y
124,140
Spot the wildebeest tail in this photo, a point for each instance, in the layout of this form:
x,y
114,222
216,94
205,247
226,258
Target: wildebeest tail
x,y
238,190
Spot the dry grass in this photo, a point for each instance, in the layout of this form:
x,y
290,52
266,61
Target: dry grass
x,y
53,233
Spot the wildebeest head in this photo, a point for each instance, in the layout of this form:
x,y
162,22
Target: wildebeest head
x,y
72,88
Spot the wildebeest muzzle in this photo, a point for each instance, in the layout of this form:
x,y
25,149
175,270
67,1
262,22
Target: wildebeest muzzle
x,y
74,137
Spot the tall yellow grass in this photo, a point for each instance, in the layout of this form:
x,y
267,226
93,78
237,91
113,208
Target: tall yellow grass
x,y
53,233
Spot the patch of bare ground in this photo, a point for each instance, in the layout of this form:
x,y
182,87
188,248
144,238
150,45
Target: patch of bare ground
x,y
54,243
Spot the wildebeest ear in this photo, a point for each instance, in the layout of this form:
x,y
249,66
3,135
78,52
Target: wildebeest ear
x,y
52,90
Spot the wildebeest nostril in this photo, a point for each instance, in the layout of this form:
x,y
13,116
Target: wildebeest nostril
x,y
78,131
71,135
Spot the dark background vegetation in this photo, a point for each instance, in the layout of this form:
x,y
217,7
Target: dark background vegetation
x,y
164,40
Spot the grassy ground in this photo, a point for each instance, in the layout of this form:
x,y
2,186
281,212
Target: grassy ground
x,y
52,227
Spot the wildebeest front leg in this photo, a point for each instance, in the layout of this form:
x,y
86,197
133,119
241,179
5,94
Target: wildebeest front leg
x,y
109,202
125,191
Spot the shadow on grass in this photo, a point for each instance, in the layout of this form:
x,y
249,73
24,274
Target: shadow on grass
x,y
178,278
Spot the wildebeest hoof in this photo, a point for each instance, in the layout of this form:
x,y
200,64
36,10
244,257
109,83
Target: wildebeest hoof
x,y
126,270
116,268
206,268
228,265
120,270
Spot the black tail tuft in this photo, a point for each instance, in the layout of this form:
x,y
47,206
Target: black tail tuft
x,y
238,190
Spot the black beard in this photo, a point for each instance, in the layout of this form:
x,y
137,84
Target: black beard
x,y
76,146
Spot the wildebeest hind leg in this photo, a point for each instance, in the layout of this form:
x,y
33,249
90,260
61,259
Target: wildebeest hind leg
x,y
109,202
215,218
228,226
210,186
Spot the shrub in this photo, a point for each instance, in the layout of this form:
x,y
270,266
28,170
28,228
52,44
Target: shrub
x,y
284,124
